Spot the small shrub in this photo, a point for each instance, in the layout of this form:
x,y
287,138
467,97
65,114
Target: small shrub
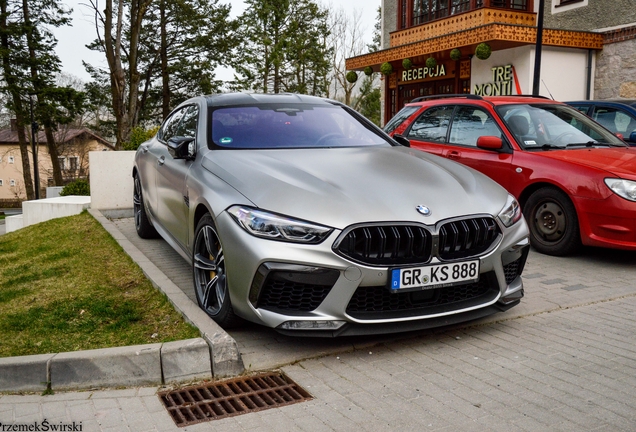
x,y
407,63
386,68
431,62
455,54
76,187
352,77
138,136
483,51
368,71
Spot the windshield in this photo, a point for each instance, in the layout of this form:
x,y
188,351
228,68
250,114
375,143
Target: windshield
x,y
399,118
291,126
544,126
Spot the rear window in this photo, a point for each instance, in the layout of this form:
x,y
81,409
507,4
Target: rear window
x,y
291,126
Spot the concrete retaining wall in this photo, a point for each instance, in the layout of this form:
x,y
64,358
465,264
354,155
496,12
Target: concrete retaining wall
x,y
111,179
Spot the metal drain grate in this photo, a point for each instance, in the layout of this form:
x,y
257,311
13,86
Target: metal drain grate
x,y
196,404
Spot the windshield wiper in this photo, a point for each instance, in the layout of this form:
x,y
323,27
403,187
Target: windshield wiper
x,y
549,146
589,144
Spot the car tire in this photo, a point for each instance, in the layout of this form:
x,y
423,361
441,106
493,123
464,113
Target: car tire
x,y
143,225
208,271
553,223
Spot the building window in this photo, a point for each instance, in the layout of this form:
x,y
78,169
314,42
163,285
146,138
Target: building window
x,y
12,182
62,161
73,163
566,5
429,10
1,182
11,159
566,2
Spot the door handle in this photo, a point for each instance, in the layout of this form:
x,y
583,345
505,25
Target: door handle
x,y
161,160
453,154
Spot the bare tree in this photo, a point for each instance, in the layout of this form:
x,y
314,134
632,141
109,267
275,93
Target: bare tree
x,y
118,28
346,39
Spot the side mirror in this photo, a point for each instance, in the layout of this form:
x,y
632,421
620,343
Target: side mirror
x,y
489,143
181,147
632,136
402,140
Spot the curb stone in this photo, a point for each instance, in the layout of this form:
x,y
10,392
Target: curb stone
x,y
135,365
225,357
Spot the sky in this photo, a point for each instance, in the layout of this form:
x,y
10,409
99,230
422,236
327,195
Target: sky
x,y
72,39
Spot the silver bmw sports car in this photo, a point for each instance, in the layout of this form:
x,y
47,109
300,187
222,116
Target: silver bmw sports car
x,y
297,213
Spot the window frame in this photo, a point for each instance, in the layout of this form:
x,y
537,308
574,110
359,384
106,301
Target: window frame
x,y
70,164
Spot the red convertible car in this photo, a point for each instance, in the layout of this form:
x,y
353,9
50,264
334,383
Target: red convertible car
x,y
575,180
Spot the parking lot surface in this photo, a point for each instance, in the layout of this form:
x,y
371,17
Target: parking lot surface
x,y
564,359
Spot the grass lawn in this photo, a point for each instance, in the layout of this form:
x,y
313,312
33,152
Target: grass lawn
x,y
66,285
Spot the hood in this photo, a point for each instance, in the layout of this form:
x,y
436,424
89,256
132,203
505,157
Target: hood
x,y
340,187
619,161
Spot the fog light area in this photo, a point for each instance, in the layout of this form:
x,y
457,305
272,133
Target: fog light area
x,y
311,325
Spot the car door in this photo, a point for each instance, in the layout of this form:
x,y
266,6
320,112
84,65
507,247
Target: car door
x,y
151,159
468,124
171,178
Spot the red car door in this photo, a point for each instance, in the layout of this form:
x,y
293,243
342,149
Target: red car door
x,y
468,124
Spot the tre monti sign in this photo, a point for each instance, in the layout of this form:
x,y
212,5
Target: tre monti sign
x,y
423,73
502,82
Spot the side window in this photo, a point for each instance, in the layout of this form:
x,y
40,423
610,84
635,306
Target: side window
x,y
188,125
169,127
432,124
615,120
470,123
581,108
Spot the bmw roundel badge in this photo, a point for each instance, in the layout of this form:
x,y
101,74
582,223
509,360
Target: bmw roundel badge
x,y
423,210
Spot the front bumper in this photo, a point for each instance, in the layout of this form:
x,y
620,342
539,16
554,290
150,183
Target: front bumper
x,y
609,223
309,289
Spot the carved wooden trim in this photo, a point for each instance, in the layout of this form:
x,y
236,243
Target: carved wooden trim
x,y
502,35
460,22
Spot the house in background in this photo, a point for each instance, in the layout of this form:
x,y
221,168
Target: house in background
x,y
588,49
73,148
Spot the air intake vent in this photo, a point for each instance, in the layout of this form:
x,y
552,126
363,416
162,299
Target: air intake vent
x,y
386,245
466,238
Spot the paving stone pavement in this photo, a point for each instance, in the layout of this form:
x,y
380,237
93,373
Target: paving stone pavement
x,y
563,360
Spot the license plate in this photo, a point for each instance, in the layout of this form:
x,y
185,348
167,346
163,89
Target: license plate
x,y
434,276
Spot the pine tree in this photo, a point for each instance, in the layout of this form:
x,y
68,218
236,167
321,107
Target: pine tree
x,y
283,47
29,68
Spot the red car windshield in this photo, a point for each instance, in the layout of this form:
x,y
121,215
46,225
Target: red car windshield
x,y
546,126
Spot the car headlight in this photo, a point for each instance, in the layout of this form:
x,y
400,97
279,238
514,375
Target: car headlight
x,y
271,226
511,212
622,188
